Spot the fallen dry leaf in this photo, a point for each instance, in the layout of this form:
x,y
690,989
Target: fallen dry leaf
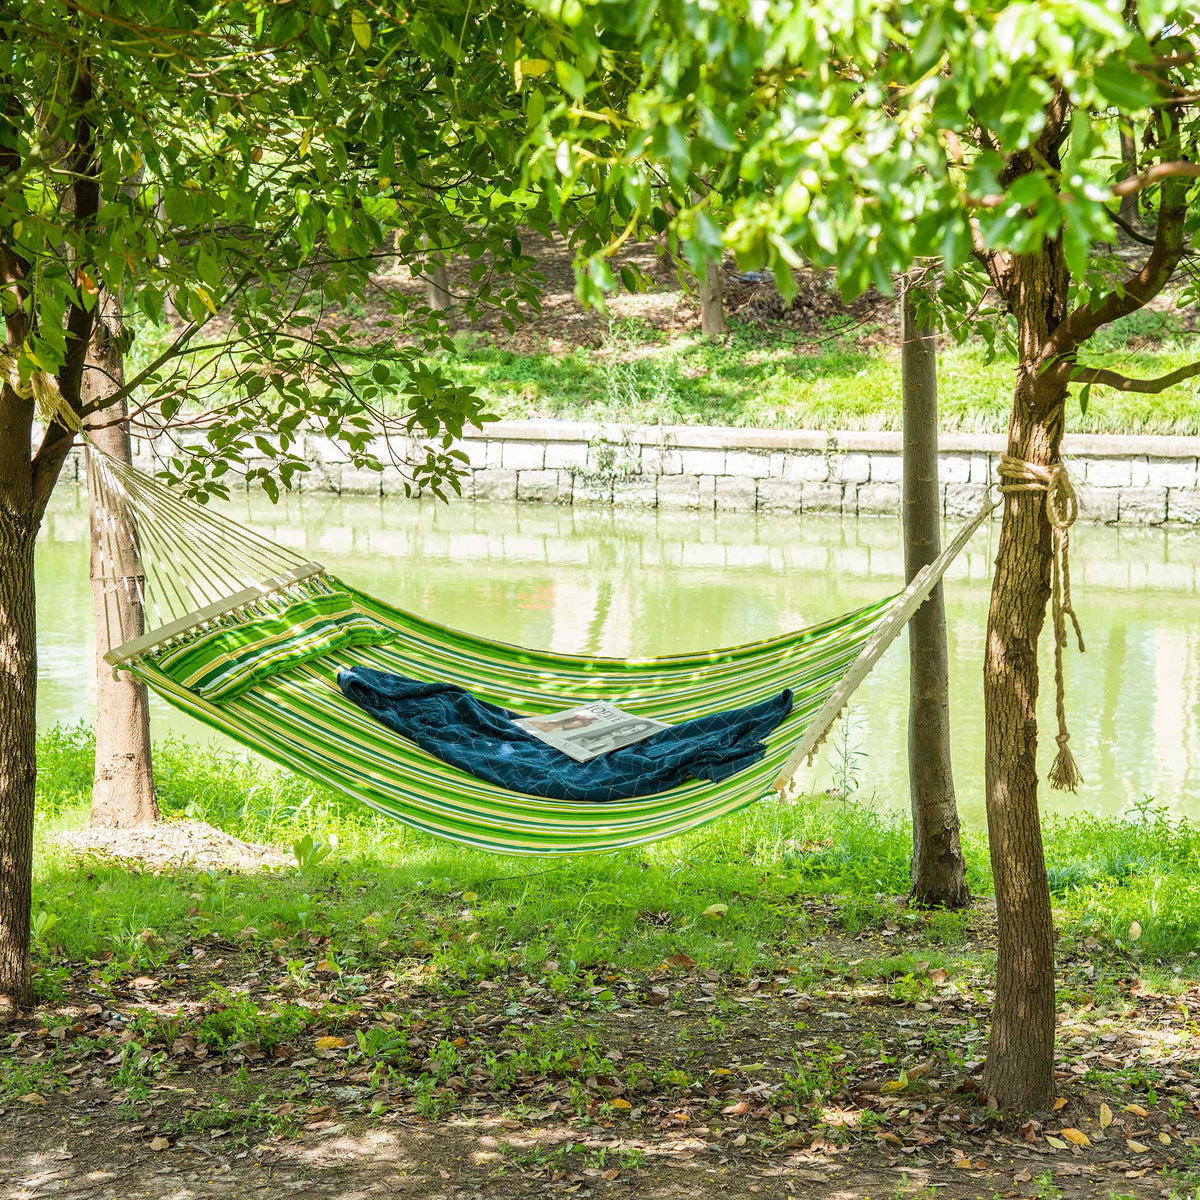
x,y
1057,1143
33,1098
1135,931
716,911
1076,1137
1137,1110
329,1043
1105,1115
1024,1175
612,1173
620,1102
1165,1138
1060,1103
736,1110
1136,1147
159,1143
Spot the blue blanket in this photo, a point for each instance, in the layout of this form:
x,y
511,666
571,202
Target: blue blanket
x,y
480,738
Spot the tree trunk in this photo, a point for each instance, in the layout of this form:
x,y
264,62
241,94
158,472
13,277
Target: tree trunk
x,y
1020,1063
437,281
18,746
1129,203
123,785
712,304
939,873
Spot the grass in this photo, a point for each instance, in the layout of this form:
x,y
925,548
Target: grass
x,y
778,378
387,895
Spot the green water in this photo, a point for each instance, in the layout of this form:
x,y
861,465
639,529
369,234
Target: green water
x,y
628,582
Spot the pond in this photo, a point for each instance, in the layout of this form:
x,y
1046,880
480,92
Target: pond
x,y
621,582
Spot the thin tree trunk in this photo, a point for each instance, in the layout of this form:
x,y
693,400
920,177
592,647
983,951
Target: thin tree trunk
x,y
123,785
18,750
939,875
1020,1062
1129,203
18,697
712,303
437,281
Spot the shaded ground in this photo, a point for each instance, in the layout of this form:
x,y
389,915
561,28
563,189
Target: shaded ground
x,y
254,1067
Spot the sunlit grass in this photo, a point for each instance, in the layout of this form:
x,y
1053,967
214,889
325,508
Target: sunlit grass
x,y
386,892
774,378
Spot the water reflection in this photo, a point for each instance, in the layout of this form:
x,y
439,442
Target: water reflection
x,y
638,582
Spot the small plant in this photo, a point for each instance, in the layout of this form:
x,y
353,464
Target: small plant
x,y
43,923
308,852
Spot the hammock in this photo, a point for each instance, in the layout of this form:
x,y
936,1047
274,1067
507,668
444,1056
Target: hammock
x,y
248,637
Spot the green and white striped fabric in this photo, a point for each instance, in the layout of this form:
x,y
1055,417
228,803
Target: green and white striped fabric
x,y
222,664
299,719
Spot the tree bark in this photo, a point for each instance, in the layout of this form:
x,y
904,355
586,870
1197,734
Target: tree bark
x,y
939,873
1129,203
1020,1062
18,748
712,304
123,785
437,281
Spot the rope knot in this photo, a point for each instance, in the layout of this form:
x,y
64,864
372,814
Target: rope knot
x,y
1062,509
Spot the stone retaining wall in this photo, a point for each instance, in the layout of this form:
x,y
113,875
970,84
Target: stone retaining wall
x,y
1135,480
1142,480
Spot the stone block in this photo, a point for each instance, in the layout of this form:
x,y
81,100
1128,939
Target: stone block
x,y
695,461
1183,505
523,456
614,459
659,460
887,468
962,499
566,455
495,484
543,487
392,482
1142,506
1097,504
880,498
1172,472
679,491
1105,472
361,481
982,470
707,493
321,477
781,495
1139,470
822,498
747,464
737,495
809,467
852,468
954,468
480,452
591,489
636,491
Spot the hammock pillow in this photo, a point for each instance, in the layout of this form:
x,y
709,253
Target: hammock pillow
x,y
222,664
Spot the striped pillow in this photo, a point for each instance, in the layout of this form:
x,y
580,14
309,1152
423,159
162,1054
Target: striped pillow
x,y
226,662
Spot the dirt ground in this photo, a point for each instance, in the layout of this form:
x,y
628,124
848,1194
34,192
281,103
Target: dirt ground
x,y
248,1068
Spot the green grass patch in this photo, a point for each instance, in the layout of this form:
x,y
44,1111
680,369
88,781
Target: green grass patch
x,y
384,894
772,377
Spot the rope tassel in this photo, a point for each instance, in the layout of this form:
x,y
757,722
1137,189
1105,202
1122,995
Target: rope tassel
x,y
1062,508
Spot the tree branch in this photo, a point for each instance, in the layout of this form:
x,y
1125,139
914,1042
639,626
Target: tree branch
x,y
1125,383
1155,174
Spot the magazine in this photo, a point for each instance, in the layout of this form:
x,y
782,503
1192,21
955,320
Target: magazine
x,y
590,730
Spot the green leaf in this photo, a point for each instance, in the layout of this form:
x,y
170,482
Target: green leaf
x,y
570,79
361,28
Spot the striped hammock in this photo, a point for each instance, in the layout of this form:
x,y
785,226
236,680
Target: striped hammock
x,y
248,637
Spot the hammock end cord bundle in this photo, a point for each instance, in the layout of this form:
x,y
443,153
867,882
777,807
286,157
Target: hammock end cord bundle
x,y
1062,509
